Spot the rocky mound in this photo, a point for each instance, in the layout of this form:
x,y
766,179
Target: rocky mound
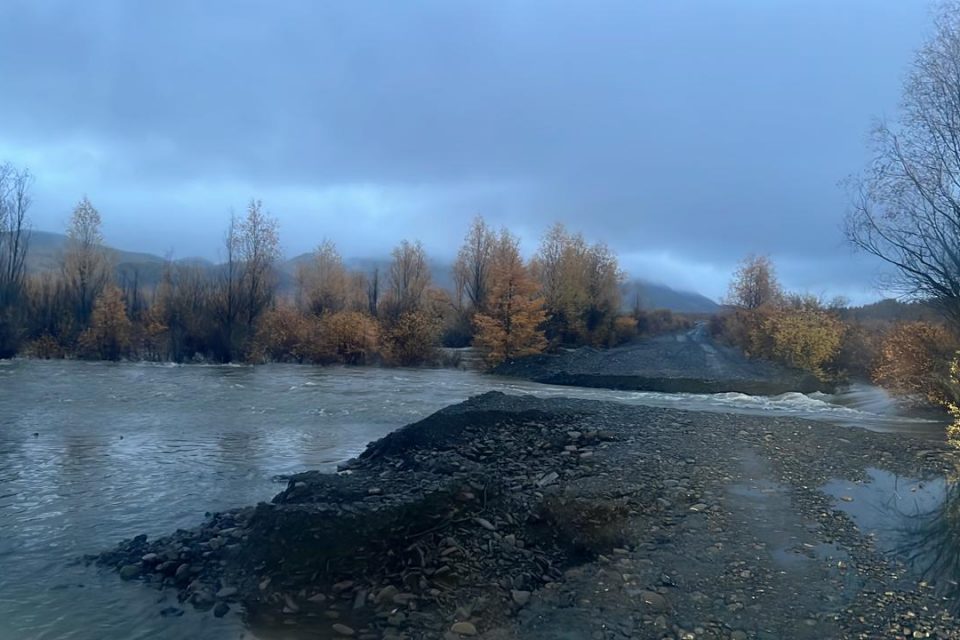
x,y
437,526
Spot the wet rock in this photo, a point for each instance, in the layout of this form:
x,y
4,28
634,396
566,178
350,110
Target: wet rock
x,y
171,612
520,598
130,571
221,609
343,630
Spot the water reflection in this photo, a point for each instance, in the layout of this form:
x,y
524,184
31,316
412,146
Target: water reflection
x,y
914,521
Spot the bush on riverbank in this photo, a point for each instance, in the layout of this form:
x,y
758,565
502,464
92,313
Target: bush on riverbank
x,y
915,361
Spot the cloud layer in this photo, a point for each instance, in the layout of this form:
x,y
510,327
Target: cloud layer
x,y
683,134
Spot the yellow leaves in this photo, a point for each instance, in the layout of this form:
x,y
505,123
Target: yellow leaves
x,y
410,340
109,334
510,327
803,335
915,360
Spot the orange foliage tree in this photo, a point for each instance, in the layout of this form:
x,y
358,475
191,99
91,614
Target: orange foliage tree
x,y
109,335
511,327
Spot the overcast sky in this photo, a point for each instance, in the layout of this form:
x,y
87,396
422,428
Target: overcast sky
x,y
685,134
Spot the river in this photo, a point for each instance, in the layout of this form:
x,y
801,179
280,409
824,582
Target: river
x,y
91,453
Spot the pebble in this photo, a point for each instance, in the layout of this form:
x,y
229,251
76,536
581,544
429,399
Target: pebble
x,y
464,628
221,609
486,524
227,592
343,629
520,597
653,600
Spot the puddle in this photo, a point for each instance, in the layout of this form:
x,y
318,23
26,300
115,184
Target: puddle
x,y
912,520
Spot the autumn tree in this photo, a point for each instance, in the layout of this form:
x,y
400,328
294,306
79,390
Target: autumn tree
x,y
410,330
510,326
109,334
85,265
754,284
580,284
915,360
14,237
323,281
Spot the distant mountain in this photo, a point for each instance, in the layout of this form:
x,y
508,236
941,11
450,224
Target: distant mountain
x,y
659,296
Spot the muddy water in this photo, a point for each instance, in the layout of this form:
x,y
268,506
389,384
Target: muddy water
x,y
91,453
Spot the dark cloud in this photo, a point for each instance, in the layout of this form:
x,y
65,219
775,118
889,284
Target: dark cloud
x,y
680,133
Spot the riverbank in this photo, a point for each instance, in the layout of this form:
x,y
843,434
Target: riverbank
x,y
516,517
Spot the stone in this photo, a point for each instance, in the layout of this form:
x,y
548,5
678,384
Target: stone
x,y
150,558
129,571
738,635
697,508
182,573
221,609
386,594
171,612
464,629
291,605
317,598
344,630
548,479
486,524
653,600
342,586
227,592
520,597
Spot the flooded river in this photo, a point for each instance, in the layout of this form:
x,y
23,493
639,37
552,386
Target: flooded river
x,y
91,453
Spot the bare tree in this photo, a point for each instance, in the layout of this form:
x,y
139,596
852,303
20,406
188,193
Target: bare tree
x,y
323,282
14,238
373,292
259,245
471,271
409,277
754,284
86,267
906,204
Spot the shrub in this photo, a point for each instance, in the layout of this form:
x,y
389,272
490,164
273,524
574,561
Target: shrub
x,y
410,340
801,334
349,337
284,334
915,360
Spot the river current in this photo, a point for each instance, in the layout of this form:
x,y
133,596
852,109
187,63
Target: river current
x,y
92,453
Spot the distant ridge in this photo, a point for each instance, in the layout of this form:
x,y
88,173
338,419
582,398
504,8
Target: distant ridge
x,y
46,248
653,295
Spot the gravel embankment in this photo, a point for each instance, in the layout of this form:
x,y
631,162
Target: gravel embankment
x,y
511,517
684,362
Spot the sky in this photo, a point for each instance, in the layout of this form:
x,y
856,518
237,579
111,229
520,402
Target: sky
x,y
684,134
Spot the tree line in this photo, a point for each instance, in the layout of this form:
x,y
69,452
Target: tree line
x,y
507,306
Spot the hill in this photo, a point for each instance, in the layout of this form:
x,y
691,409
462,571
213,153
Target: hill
x,y
46,248
652,295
